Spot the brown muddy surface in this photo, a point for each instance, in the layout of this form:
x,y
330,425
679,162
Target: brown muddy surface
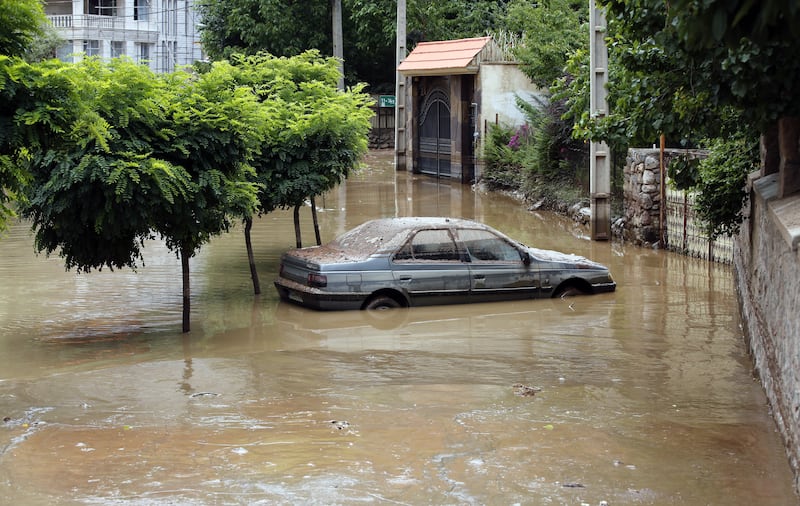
x,y
642,396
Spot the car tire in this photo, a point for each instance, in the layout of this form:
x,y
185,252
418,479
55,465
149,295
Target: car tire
x,y
568,291
382,302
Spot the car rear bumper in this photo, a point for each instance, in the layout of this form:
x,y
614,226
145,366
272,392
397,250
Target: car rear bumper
x,y
317,299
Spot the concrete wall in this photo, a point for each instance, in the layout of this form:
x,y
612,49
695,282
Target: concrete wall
x,y
497,88
767,267
499,84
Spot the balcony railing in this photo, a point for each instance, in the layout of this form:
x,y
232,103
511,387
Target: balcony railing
x,y
96,22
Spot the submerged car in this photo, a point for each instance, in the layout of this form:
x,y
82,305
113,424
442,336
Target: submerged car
x,y
404,262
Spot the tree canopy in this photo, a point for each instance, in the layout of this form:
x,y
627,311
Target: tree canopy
x,y
111,154
314,134
703,73
703,55
21,21
287,28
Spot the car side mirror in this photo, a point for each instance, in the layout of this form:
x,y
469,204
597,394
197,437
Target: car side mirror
x,y
526,258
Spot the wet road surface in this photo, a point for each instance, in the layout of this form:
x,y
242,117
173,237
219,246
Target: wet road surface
x,y
642,396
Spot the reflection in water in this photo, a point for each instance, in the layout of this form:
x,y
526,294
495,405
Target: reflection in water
x,y
645,394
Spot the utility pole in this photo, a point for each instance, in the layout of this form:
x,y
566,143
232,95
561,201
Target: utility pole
x,y
599,159
338,51
400,91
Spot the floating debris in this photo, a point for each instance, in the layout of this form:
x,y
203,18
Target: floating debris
x,y
340,424
204,394
525,390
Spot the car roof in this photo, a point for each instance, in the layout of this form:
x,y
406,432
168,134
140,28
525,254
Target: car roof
x,y
385,235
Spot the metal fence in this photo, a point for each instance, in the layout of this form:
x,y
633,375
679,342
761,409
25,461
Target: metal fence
x,y
686,236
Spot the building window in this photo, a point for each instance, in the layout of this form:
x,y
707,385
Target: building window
x,y
91,47
144,53
117,48
101,7
141,10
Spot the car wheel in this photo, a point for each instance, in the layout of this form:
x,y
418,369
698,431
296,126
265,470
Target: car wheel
x,y
568,291
382,302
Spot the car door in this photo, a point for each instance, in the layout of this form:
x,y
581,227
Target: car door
x,y
431,270
498,268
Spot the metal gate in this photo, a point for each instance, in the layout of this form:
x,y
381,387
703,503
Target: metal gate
x,y
434,134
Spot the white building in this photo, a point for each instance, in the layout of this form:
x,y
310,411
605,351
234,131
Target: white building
x,y
161,33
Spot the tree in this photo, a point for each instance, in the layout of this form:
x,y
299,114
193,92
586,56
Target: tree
x,y
21,21
714,53
453,19
314,134
119,154
278,27
695,71
217,127
287,28
549,33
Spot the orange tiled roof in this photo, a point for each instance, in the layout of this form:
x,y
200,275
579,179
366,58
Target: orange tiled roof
x,y
444,57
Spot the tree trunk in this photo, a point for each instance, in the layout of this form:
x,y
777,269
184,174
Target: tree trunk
x,y
186,291
248,225
297,226
316,223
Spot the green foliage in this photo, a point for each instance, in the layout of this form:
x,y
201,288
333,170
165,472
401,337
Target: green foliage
x,y
675,71
732,20
539,154
215,130
550,32
684,171
21,21
693,70
503,159
453,19
118,154
288,28
279,27
721,191
92,193
313,134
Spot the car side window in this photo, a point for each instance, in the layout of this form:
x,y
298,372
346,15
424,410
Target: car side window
x,y
429,245
484,246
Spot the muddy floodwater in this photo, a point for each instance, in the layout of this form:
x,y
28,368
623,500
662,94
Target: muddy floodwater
x,y
642,396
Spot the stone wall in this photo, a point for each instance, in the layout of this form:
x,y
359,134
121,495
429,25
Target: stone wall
x,y
641,223
642,195
767,268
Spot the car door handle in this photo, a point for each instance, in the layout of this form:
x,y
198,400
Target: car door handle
x,y
479,276
404,278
